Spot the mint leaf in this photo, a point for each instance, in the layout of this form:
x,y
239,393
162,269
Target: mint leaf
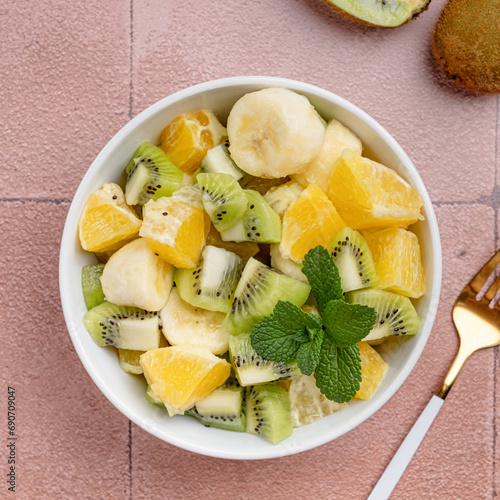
x,y
278,337
347,324
323,276
308,354
338,373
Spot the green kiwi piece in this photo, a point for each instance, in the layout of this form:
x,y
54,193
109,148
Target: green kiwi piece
x,y
380,13
250,368
150,175
152,398
211,284
223,198
223,408
396,314
466,43
268,412
218,160
258,291
354,260
123,327
91,285
259,224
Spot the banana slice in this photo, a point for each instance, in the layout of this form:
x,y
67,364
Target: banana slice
x,y
184,324
282,196
286,266
274,132
136,276
337,138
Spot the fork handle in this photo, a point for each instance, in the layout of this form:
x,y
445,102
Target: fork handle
x,y
409,446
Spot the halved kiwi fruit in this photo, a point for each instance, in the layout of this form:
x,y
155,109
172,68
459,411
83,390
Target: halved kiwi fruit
x,y
223,198
380,13
123,327
218,160
354,260
268,412
224,408
396,315
259,224
212,283
91,285
150,175
258,291
250,368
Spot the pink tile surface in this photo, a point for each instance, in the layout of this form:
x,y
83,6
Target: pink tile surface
x,y
72,74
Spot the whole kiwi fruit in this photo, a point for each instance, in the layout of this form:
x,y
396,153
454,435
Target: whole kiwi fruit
x,y
466,42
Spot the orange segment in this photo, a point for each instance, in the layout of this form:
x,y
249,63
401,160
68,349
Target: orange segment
x,y
396,253
373,368
368,194
107,222
307,403
309,221
182,375
188,137
175,230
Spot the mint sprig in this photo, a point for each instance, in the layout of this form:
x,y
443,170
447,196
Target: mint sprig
x,y
323,276
280,335
326,346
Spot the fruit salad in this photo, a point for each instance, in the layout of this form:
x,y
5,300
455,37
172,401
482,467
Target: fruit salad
x,y
209,244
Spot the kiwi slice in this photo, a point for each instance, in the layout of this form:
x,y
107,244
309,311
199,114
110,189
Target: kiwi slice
x,y
259,224
380,13
354,260
123,327
396,314
150,175
211,284
258,291
218,160
251,368
223,198
91,285
466,43
268,412
224,408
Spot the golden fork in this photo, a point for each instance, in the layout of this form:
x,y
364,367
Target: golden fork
x,y
478,327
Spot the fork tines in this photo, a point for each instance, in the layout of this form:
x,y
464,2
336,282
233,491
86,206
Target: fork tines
x,y
482,276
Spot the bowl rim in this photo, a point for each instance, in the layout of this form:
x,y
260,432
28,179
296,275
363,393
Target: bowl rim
x,y
217,84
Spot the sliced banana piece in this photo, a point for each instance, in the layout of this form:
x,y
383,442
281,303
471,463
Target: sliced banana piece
x,y
274,132
136,276
286,266
282,196
337,138
184,324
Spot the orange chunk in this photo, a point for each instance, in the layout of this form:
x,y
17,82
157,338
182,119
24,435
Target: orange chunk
x,y
182,375
373,368
369,194
396,253
175,230
309,221
188,137
107,222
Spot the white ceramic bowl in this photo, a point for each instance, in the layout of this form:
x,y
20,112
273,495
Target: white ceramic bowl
x,y
126,391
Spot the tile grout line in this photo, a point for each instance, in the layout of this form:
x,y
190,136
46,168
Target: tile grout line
x,y
496,356
130,116
57,201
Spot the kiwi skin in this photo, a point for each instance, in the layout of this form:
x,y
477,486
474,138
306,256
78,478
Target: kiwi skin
x,y
466,43
349,16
